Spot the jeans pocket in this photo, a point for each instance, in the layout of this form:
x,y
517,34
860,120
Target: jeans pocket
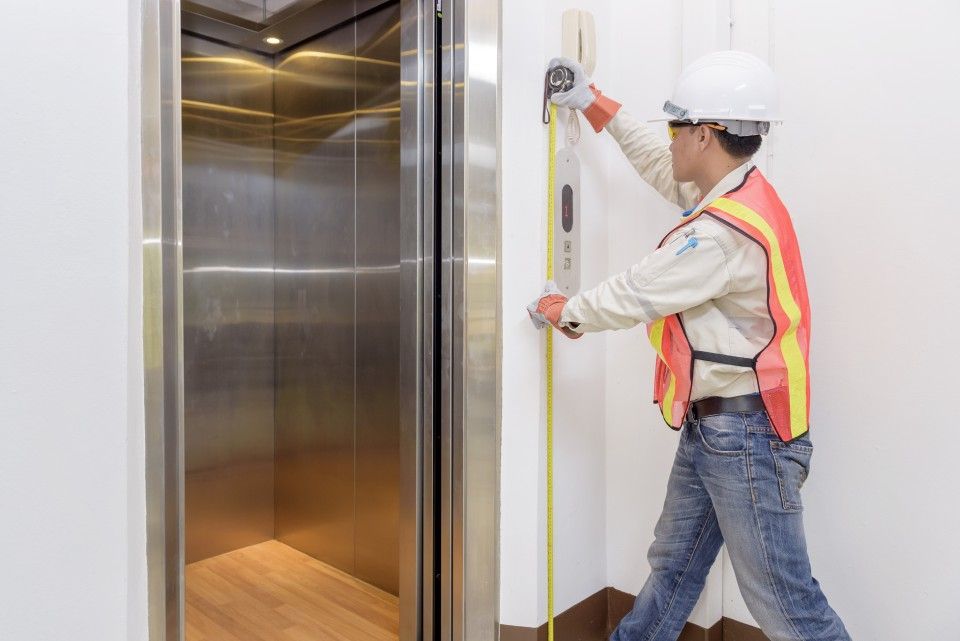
x,y
792,461
723,434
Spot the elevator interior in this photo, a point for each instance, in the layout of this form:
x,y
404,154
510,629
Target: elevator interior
x,y
291,281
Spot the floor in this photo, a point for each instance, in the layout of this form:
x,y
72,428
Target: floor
x,y
271,592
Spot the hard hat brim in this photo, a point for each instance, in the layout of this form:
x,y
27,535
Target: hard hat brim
x,y
668,118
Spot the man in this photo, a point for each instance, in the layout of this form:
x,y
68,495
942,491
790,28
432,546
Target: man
x,y
725,304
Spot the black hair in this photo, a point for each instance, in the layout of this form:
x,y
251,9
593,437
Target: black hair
x,y
738,146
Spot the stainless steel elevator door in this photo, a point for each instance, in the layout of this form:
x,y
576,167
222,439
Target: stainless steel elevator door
x,y
227,297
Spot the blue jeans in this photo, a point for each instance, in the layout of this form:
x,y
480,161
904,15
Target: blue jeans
x,y
734,481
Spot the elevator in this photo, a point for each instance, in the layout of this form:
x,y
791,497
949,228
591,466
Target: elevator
x,y
291,306
291,264
320,318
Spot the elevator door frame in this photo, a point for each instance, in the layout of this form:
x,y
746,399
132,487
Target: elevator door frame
x,y
450,366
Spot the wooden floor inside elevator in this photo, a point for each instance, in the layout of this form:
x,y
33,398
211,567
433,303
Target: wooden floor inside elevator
x,y
271,592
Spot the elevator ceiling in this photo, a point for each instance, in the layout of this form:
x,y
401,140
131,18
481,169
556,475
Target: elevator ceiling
x,y
269,26
248,12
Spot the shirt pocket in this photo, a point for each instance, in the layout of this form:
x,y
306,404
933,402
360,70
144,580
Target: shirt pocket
x,y
677,247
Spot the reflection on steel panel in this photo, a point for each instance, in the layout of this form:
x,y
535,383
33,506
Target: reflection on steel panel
x,y
476,276
416,574
227,297
378,299
315,320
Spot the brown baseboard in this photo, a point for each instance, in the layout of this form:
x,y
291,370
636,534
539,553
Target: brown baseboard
x,y
737,631
585,621
594,618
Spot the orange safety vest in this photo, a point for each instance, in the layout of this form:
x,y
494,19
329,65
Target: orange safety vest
x,y
782,367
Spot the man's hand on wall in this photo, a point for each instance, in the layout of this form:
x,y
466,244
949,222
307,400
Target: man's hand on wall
x,y
546,310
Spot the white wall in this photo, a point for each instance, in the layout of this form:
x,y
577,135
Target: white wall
x,y
72,533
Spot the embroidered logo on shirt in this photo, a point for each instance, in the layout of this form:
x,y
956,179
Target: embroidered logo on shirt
x,y
692,243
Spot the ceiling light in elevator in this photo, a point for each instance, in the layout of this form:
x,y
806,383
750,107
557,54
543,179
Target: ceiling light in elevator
x,y
272,40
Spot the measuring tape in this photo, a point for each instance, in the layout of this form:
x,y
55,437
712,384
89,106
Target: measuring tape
x,y
551,177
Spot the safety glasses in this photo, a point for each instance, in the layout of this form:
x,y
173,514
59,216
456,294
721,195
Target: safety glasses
x,y
673,127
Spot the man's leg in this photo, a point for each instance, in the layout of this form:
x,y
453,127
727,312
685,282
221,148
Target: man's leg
x,y
686,544
760,515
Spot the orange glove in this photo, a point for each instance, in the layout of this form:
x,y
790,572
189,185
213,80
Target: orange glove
x,y
584,96
547,309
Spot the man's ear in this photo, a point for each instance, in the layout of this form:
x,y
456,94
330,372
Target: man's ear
x,y
703,136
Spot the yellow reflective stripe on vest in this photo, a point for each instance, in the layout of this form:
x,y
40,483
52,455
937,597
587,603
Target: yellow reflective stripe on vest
x,y
789,345
656,339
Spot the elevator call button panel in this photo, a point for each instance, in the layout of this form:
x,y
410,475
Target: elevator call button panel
x,y
566,228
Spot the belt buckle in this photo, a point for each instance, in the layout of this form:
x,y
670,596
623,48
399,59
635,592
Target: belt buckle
x,y
692,413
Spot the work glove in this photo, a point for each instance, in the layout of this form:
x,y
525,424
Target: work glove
x,y
584,96
546,310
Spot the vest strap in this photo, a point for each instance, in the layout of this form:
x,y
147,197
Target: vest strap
x,y
737,361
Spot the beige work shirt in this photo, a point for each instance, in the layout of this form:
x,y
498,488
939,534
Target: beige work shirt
x,y
710,274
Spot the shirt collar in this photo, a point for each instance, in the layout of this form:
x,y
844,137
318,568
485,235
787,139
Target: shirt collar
x,y
727,183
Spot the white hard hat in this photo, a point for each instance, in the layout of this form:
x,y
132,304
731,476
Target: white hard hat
x,y
732,88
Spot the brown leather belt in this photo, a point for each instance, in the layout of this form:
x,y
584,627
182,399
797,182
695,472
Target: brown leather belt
x,y
718,405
